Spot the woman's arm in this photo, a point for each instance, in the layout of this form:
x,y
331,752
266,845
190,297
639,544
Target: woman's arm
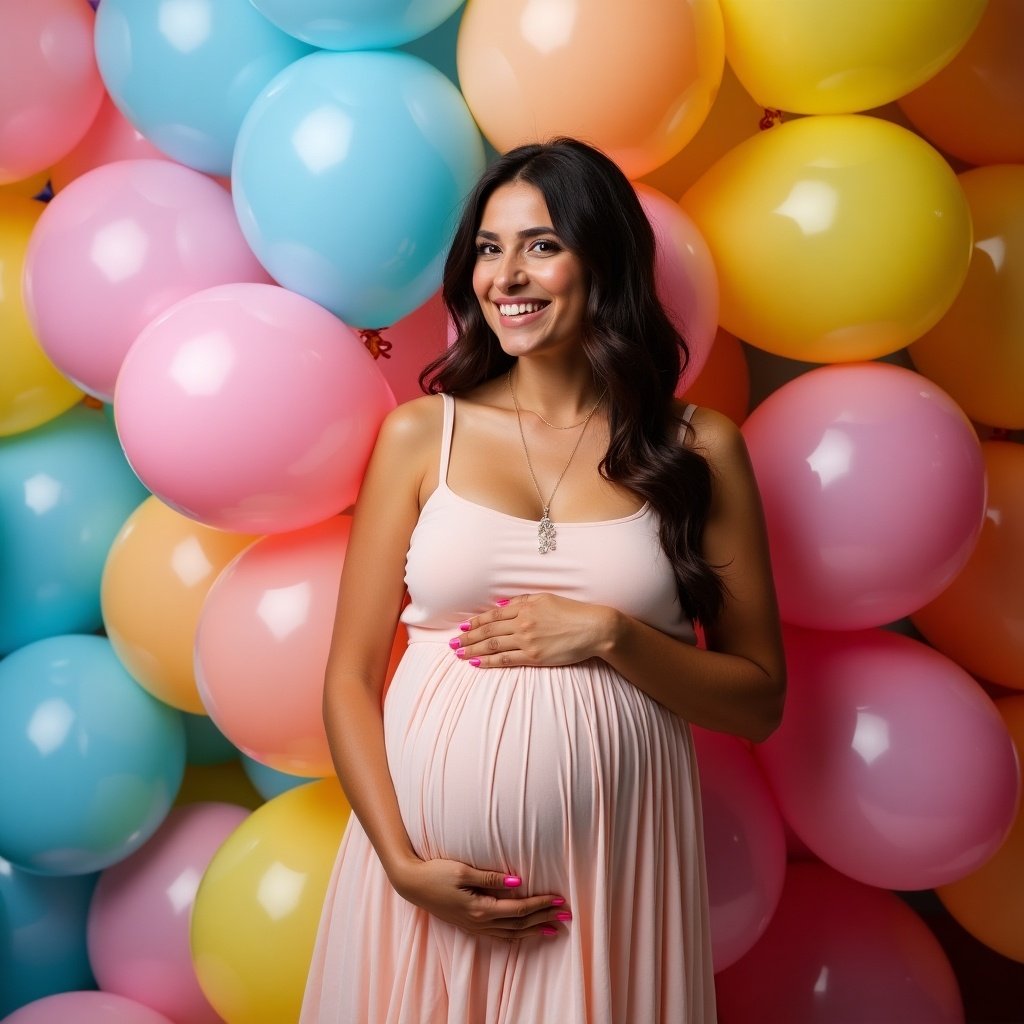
x,y
735,686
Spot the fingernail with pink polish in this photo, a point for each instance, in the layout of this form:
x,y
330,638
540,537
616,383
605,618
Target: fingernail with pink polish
x,y
558,902
475,662
459,653
455,643
502,602
465,627
563,915
513,881
548,930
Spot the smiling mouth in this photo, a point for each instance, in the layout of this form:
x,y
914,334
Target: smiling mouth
x,y
519,308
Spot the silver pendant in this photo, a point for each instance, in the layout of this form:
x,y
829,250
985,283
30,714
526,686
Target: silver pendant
x,y
545,534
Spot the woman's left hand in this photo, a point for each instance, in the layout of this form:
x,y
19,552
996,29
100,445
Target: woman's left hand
x,y
535,629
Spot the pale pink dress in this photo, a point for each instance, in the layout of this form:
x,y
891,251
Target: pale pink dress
x,y
570,777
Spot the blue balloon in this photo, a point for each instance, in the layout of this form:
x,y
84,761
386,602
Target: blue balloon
x,y
42,936
269,782
349,174
184,74
90,763
204,742
356,24
65,491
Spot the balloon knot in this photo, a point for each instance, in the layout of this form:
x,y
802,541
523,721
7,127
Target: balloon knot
x,y
770,118
91,403
377,345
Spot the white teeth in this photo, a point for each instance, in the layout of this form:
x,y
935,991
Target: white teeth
x,y
517,308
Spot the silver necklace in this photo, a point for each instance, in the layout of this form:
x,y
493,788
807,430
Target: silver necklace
x,y
546,538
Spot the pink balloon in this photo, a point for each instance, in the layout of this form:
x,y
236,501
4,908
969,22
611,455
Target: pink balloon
x,y
685,277
874,492
744,843
413,342
86,1008
118,246
262,643
250,408
836,951
50,87
891,763
138,930
110,137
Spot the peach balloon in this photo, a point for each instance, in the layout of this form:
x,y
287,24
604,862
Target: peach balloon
x,y
976,351
974,107
637,80
157,575
978,620
724,381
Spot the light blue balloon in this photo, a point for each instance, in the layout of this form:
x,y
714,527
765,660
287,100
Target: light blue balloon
x,y
348,178
65,491
269,782
204,742
356,24
42,935
184,72
90,763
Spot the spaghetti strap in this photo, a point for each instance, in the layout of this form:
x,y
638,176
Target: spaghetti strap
x,y
688,412
446,439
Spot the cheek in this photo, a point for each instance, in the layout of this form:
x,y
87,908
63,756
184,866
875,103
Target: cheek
x,y
481,282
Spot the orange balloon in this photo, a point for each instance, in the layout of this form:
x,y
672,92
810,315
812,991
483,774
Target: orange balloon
x,y
27,188
637,80
158,572
974,107
978,620
976,351
724,381
989,902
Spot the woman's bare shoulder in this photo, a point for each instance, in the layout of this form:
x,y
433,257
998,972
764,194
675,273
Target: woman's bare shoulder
x,y
713,434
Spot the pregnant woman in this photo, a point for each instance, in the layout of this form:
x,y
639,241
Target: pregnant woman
x,y
526,841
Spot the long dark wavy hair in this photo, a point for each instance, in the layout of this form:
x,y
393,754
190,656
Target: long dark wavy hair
x,y
632,346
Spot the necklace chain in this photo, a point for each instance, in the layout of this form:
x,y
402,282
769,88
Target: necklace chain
x,y
546,539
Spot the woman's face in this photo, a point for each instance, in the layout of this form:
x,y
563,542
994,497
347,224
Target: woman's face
x,y
532,289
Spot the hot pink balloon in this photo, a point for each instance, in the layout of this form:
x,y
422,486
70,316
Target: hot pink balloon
x,y
86,1008
50,87
138,930
118,246
250,408
413,342
837,950
874,492
891,763
744,843
262,643
685,277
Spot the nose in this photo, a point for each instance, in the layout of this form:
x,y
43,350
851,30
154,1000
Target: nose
x,y
510,272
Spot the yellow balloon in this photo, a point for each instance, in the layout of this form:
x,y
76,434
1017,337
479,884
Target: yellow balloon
x,y
836,238
837,57
258,906
976,351
32,389
157,575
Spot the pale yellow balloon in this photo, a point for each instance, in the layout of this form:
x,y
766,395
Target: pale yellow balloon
x,y
840,56
258,906
155,580
836,238
32,389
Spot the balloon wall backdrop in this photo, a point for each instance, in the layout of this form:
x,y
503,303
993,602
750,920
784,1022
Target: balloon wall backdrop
x,y
222,230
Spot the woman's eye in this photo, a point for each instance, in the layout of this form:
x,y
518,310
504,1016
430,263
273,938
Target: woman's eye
x,y
544,245
486,248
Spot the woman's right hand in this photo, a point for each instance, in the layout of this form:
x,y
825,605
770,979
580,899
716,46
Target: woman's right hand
x,y
479,902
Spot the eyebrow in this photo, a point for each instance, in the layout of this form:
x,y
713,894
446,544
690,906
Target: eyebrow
x,y
525,233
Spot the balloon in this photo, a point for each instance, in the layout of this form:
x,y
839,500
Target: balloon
x,y
784,209
356,26
90,761
724,381
974,107
684,275
250,408
65,490
32,389
977,619
989,902
86,1008
636,80
744,844
891,762
50,89
205,743
417,339
110,137
139,918
874,492
348,176
42,932
269,782
259,904
835,951
281,596
845,57
118,246
27,188
218,783
157,575
185,73
976,351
